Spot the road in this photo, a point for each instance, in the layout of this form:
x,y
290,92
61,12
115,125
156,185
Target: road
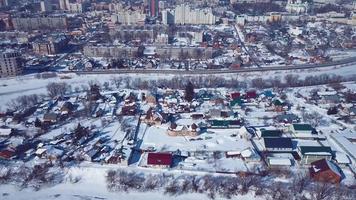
x,y
245,48
340,63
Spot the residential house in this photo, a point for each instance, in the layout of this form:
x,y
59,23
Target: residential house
x,y
151,100
310,154
331,99
304,131
196,116
183,130
119,156
7,154
51,153
67,108
287,118
235,95
325,171
263,133
129,110
250,155
50,118
278,144
225,123
279,106
153,118
6,132
276,162
159,160
251,94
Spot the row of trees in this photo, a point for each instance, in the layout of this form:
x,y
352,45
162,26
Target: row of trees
x,y
24,102
291,80
35,176
300,187
179,82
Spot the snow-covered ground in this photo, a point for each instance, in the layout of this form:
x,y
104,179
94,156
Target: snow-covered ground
x,y
11,88
92,186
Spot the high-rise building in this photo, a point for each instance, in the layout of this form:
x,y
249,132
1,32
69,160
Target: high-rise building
x,y
183,14
129,17
39,23
167,17
154,8
46,6
50,45
64,4
298,6
10,63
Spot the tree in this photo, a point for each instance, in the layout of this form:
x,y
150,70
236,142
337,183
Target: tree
x,y
38,122
323,191
57,89
291,80
189,92
80,132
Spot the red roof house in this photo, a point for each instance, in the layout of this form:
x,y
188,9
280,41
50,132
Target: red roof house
x,y
235,95
252,94
159,159
325,171
7,154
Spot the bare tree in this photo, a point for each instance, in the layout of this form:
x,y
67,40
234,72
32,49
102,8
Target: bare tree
x,y
322,191
57,89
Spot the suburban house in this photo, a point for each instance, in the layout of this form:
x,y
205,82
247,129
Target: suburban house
x,y
287,118
250,155
119,156
251,94
310,154
325,171
153,118
275,162
51,153
7,154
6,132
160,160
129,110
151,100
183,130
278,144
279,106
225,123
235,95
304,131
263,133
67,108
50,117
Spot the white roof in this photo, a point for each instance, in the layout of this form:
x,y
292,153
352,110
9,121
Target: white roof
x,y
279,161
5,131
232,153
327,93
318,153
343,140
40,151
342,158
246,153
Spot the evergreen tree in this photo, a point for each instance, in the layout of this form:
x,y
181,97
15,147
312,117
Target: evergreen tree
x,y
189,92
38,123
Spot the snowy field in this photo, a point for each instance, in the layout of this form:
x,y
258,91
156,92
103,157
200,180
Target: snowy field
x,y
91,186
